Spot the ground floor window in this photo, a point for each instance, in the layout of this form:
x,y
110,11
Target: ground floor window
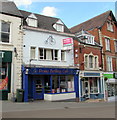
x,y
112,90
62,83
90,85
4,76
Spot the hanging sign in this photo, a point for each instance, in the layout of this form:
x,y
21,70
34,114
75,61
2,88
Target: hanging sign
x,y
3,83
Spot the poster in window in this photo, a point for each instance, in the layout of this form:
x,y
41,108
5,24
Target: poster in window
x,y
3,79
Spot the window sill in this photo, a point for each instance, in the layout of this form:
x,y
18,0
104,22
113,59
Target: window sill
x,y
107,51
2,43
110,31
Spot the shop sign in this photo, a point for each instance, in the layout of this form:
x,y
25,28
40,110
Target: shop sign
x,y
6,56
3,83
108,75
52,71
67,42
91,74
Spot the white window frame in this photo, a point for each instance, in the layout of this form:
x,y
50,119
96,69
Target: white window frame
x,y
91,63
32,57
107,43
110,26
115,46
109,63
56,58
9,33
63,53
32,22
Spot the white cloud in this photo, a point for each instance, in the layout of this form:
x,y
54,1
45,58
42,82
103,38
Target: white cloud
x,y
49,11
22,2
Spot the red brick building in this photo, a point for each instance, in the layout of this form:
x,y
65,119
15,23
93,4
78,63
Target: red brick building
x,y
104,29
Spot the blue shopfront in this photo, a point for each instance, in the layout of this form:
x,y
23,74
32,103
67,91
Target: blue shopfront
x,y
92,85
50,84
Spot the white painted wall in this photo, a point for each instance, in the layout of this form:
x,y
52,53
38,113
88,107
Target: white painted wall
x,y
55,97
37,39
16,40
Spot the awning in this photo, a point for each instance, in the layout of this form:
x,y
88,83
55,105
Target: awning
x,y
112,81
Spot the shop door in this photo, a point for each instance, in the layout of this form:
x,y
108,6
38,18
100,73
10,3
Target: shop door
x,y
86,89
39,88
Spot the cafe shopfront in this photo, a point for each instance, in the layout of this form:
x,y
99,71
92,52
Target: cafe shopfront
x,y
5,74
50,84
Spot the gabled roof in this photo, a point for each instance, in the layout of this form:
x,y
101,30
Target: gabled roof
x,y
44,22
9,8
95,22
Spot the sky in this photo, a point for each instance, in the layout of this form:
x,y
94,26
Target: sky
x,y
70,12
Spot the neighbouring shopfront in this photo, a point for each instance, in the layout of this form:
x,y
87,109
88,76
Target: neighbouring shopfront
x,y
111,83
5,74
50,84
91,86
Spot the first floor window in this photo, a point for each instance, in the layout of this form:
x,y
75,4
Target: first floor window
x,y
109,63
96,62
32,52
107,42
4,31
62,55
86,61
115,46
48,54
90,61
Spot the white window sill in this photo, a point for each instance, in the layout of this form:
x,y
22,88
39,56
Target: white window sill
x,y
2,43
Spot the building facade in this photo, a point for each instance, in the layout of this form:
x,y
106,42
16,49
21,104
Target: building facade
x,y
104,28
10,49
87,57
48,61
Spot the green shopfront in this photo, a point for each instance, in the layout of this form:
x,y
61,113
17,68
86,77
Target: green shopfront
x,y
111,83
5,74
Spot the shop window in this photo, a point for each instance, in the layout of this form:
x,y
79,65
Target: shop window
x,y
61,84
5,31
93,85
107,43
47,87
32,52
55,84
90,61
4,76
109,26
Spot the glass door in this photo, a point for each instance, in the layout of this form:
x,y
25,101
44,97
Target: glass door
x,y
39,88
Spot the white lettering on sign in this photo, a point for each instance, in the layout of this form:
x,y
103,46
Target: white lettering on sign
x,y
2,54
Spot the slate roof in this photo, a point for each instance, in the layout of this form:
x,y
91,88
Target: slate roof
x,y
45,22
95,22
9,8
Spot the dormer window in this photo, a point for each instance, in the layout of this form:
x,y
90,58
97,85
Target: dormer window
x,y
85,37
32,20
109,26
59,26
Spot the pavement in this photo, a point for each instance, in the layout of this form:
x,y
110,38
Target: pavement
x,y
46,109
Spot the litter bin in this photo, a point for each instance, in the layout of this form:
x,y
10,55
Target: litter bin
x,y
19,95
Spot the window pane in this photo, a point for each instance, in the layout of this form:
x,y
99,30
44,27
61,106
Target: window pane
x,y
5,27
90,61
5,37
41,55
32,52
86,57
62,55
